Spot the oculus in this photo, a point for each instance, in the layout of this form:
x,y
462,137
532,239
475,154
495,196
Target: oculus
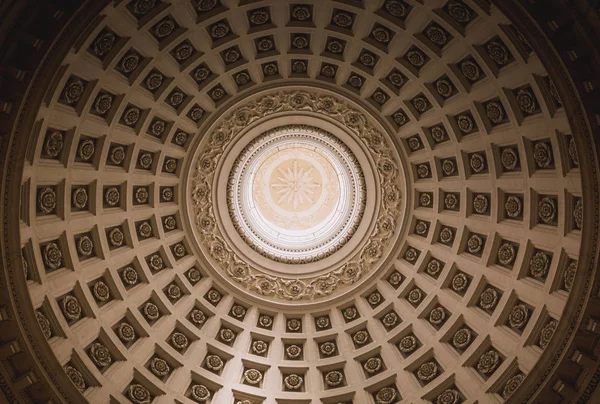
x,y
296,194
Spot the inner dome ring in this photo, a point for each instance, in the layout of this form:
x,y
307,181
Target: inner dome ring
x,y
290,234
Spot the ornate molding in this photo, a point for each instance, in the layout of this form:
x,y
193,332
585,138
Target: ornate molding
x,y
362,262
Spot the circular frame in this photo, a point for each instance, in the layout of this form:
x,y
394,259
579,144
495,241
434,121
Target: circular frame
x,y
389,176
296,246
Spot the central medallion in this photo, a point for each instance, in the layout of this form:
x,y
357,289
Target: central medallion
x,y
293,184
296,194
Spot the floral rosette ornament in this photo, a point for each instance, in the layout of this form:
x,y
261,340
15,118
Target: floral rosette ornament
x,y
76,378
488,362
200,393
259,347
198,317
126,332
327,348
179,340
100,355
361,337
386,395
293,351
427,371
214,363
449,396
293,382
253,376
334,378
407,344
139,394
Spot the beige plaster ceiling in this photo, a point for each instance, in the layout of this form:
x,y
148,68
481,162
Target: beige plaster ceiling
x,y
459,267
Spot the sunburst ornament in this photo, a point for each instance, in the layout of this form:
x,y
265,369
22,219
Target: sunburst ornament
x,y
296,185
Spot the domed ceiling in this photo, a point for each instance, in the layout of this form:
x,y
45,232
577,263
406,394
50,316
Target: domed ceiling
x,y
302,202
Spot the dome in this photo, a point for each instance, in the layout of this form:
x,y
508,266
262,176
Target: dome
x,y
293,202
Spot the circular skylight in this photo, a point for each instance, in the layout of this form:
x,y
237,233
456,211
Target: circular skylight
x,y
296,194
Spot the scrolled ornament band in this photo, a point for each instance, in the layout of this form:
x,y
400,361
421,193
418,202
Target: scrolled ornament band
x,y
388,209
